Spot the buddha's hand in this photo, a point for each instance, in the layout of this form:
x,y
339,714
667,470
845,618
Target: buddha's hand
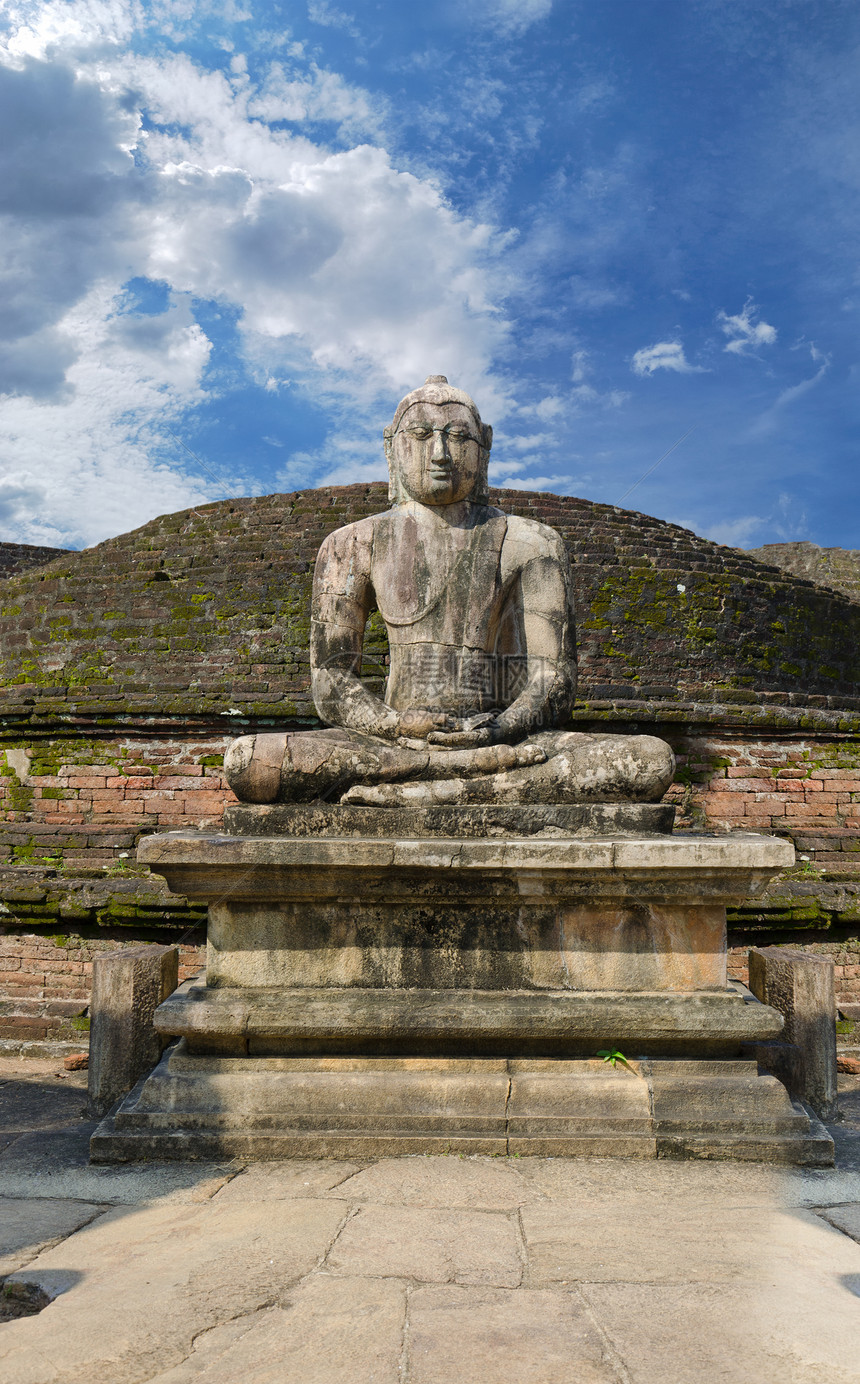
x,y
482,729
421,723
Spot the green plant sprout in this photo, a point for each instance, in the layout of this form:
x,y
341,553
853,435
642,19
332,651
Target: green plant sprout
x,y
613,1056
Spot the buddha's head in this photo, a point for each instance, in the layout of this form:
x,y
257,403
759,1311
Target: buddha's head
x,y
437,448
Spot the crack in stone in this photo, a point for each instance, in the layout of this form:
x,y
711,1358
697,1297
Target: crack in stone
x,y
507,1103
610,1351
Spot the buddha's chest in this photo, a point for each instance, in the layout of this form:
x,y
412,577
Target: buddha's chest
x,y
439,585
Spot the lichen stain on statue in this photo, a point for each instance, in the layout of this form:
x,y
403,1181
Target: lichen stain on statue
x,y
480,621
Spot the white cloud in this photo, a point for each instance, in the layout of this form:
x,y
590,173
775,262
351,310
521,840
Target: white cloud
x,y
328,16
551,406
768,420
735,533
663,355
315,95
744,333
514,16
524,444
346,276
558,485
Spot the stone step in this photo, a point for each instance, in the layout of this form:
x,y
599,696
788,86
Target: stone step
x,y
374,1107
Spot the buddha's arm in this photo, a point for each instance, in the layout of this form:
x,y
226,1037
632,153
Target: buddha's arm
x,y
342,600
547,616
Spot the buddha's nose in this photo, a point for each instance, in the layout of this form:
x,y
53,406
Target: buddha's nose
x,y
439,451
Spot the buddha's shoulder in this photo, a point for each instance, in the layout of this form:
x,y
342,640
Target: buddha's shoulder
x,y
359,534
528,538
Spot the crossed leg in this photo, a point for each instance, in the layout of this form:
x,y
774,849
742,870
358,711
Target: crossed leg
x,y
305,765
575,767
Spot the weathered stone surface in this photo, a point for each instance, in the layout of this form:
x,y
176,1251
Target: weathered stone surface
x,y
28,1226
479,820
594,1244
329,1331
428,1245
801,987
654,1271
287,1181
470,1184
248,1021
478,610
792,1319
174,1268
204,865
844,1218
358,1108
128,987
447,912
489,1336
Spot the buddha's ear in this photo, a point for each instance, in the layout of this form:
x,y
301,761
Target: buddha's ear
x,y
393,482
488,436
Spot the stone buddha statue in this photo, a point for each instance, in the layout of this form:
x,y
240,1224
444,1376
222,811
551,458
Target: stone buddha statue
x,y
479,613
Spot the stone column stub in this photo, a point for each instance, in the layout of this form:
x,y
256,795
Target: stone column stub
x,y
128,987
802,988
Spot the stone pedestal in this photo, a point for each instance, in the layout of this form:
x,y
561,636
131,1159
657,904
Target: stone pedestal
x,y
373,991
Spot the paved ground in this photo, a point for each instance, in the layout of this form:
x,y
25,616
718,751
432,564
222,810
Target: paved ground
x,y
418,1270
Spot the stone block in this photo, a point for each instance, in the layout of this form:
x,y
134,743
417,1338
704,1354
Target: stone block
x,y
801,988
128,987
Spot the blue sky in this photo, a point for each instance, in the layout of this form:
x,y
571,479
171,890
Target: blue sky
x,y
234,234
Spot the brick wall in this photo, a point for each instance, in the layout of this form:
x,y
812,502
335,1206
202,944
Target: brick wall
x,y
125,670
19,557
45,984
74,810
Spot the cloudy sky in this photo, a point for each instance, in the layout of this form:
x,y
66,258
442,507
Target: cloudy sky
x,y
233,234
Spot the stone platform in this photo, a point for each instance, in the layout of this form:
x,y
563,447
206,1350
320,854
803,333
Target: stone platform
x,y
273,1108
372,993
462,823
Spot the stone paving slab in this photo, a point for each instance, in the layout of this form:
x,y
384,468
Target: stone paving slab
x,y
328,1331
284,1181
802,1332
429,1245
475,1184
26,1227
133,1289
844,1218
488,1336
612,1243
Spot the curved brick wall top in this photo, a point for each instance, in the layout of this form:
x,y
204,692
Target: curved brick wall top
x,y
203,615
838,568
19,557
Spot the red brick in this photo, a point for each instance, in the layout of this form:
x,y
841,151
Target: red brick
x,y
21,988
732,809
20,1026
65,966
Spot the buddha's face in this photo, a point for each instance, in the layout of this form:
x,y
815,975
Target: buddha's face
x,y
436,453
